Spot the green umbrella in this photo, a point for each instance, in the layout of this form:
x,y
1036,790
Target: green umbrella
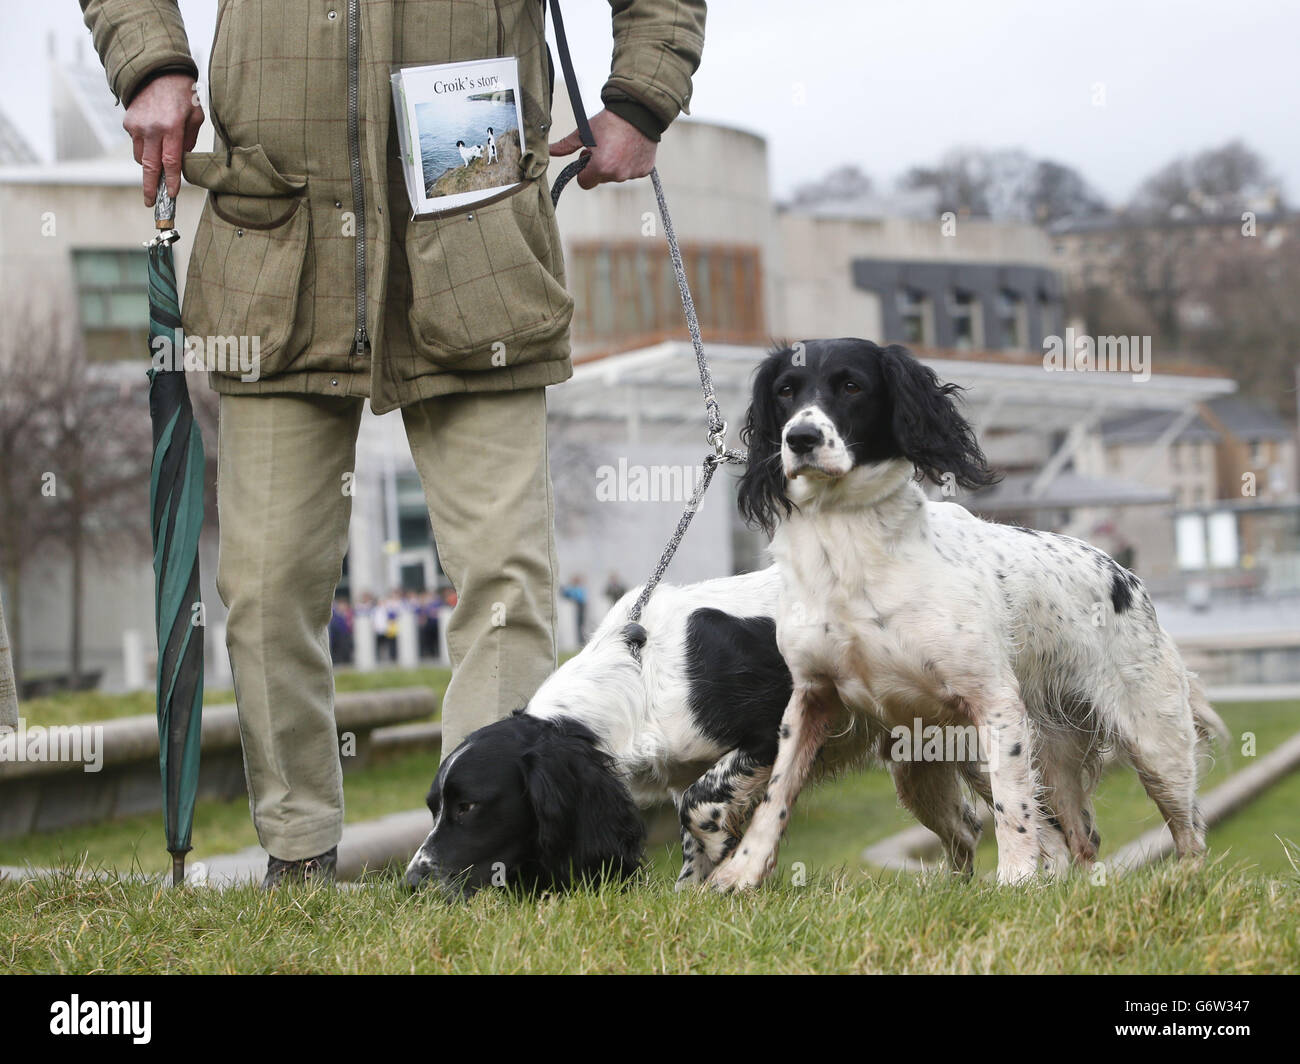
x,y
176,505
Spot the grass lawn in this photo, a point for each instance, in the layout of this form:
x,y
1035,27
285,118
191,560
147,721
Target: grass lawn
x,y
1240,912
831,824
1172,918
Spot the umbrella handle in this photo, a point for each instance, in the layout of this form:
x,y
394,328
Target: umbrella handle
x,y
164,207
164,217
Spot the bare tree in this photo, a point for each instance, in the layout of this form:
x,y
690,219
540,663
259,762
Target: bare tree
x,y
100,449
74,461
1251,319
1006,185
1217,181
26,519
1180,247
843,183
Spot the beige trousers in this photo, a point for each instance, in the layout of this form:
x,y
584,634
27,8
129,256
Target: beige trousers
x,y
282,466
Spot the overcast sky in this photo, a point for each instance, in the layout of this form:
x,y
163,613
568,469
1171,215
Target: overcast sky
x,y
887,84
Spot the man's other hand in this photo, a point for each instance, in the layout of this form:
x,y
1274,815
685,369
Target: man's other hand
x,y
163,119
622,151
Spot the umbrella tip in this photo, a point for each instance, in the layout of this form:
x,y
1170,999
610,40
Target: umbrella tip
x,y
178,869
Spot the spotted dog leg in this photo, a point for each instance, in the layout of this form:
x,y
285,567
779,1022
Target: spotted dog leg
x,y
1017,816
1158,734
804,728
713,811
695,865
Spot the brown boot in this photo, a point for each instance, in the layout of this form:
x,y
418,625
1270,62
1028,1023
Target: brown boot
x,y
321,868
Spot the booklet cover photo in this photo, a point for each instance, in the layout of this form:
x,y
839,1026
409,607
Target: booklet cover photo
x,y
460,132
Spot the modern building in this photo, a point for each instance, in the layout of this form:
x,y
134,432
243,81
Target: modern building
x,y
851,268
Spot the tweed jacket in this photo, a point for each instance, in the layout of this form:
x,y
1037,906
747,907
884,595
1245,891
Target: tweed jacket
x,y
306,250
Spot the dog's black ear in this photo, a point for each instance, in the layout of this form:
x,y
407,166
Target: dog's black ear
x,y
929,430
761,497
587,824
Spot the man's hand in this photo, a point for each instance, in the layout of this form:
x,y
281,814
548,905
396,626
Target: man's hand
x,y
622,151
163,120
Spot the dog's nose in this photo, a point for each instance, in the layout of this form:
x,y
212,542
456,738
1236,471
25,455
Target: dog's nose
x,y
414,879
803,438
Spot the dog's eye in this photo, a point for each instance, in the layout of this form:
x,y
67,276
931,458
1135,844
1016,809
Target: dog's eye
x,y
851,388
465,807
785,391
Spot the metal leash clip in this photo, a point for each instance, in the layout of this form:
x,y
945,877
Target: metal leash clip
x,y
718,441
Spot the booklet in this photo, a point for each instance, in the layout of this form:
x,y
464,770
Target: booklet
x,y
460,130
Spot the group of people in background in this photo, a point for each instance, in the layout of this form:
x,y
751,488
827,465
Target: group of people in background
x,y
385,615
428,608
575,590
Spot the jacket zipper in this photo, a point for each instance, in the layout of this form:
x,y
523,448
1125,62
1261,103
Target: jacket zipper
x,y
358,185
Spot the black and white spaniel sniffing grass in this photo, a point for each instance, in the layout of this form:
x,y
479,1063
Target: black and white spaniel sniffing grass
x,y
549,796
895,608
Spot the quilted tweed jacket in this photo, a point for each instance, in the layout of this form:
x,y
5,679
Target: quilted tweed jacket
x,y
306,247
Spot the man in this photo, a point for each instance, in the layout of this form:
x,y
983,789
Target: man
x,y
306,251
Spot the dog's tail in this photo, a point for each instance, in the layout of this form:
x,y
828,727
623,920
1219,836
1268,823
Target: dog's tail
x,y
1209,725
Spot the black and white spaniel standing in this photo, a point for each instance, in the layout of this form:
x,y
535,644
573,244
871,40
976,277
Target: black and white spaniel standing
x,y
684,705
895,608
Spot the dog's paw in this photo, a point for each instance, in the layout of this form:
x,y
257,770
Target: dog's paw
x,y
1013,874
738,873
691,876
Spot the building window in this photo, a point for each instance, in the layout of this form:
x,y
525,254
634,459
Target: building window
x,y
113,300
1047,314
625,294
963,310
1011,320
911,316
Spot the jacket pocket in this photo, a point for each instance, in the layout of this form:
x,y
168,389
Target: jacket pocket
x,y
241,172
242,291
487,286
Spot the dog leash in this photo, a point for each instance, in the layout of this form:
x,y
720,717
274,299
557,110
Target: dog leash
x,y
717,430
